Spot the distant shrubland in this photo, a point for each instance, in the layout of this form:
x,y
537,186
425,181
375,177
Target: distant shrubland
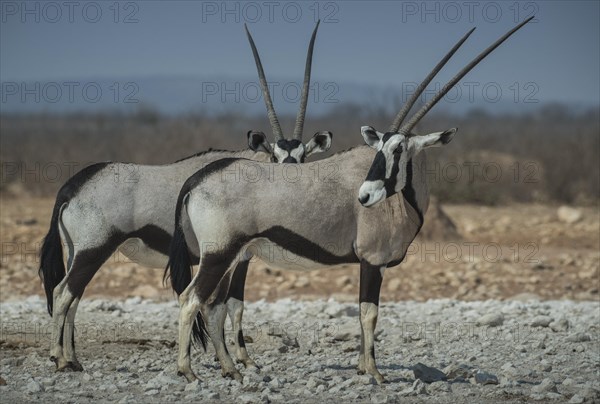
x,y
549,155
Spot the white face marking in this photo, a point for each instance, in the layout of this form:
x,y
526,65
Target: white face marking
x,y
401,177
388,150
374,190
279,153
298,153
381,271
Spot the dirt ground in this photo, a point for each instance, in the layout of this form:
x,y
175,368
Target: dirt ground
x,y
499,253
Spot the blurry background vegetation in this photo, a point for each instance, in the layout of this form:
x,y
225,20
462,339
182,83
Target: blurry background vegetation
x,y
549,155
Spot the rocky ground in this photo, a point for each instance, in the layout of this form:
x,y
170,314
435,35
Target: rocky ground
x,y
436,351
493,253
518,320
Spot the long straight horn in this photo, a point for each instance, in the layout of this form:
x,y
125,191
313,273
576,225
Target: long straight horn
x,y
299,128
265,90
421,113
409,104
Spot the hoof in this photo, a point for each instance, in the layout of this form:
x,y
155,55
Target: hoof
x,y
379,378
61,364
189,375
235,375
250,364
64,368
75,366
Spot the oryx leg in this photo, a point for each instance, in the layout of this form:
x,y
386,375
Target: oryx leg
x,y
69,337
235,309
63,298
67,294
189,307
370,286
212,286
215,315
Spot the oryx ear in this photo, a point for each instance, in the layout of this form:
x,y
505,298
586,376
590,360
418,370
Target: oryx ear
x,y
371,136
320,142
257,141
433,139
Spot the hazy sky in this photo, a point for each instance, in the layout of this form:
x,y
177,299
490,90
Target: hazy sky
x,y
374,42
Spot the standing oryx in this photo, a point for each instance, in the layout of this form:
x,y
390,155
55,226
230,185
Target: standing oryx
x,y
106,204
327,224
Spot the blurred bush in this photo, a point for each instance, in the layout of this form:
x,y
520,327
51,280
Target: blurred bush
x,y
550,155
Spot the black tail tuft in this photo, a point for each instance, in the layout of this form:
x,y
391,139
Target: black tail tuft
x,y
52,265
179,268
199,333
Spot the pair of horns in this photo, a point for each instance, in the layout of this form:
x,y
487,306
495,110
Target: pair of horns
x,y
299,127
407,127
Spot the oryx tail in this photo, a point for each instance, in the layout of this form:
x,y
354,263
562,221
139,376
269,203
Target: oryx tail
x,y
179,267
52,266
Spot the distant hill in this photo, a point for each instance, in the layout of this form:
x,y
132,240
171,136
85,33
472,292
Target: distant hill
x,y
215,95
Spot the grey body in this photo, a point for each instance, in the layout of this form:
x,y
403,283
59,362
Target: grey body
x,y
379,235
128,197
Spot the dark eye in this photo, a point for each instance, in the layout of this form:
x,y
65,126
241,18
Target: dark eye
x,y
398,149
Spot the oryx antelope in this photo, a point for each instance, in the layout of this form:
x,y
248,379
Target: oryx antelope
x,y
326,224
106,204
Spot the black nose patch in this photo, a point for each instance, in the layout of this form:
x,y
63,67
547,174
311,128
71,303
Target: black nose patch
x,y
289,160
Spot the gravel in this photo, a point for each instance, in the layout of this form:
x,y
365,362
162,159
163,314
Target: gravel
x,y
437,351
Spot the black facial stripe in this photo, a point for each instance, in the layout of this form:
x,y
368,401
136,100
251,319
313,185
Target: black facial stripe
x,y
409,191
390,183
387,136
377,170
288,146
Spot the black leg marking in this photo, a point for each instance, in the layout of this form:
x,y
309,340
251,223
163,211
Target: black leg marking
x,y
212,278
240,338
73,336
62,330
370,283
87,262
238,281
223,334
